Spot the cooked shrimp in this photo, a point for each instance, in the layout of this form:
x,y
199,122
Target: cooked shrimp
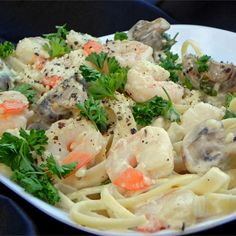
x,y
134,163
14,111
146,80
74,141
28,50
128,53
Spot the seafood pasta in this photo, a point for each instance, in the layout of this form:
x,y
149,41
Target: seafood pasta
x,y
124,134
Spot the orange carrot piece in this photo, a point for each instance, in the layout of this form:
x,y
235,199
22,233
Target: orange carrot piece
x,y
92,46
12,107
51,81
83,158
131,179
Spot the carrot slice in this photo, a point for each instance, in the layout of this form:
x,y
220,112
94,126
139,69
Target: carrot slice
x,y
131,179
12,107
83,158
92,46
51,81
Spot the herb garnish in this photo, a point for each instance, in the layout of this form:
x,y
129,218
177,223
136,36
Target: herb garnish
x,y
169,41
27,90
94,111
202,65
57,46
170,63
120,36
207,87
145,112
20,154
6,49
228,98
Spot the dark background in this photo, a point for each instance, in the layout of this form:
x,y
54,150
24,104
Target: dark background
x,y
20,19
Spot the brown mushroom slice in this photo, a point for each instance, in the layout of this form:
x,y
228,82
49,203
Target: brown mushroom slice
x,y
218,73
203,147
59,102
149,32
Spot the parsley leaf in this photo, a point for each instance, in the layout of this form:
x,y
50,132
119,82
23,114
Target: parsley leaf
x,y
93,110
207,87
145,112
186,82
170,63
18,152
97,59
60,33
169,41
27,90
6,49
89,74
57,46
106,85
55,169
120,36
229,114
36,139
228,98
202,65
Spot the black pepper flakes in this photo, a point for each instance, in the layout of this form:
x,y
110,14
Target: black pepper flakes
x,y
61,125
133,131
183,226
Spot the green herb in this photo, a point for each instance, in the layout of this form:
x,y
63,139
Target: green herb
x,y
120,36
89,74
97,59
170,63
187,83
57,46
6,49
27,90
229,114
169,111
94,111
207,87
20,154
202,65
106,85
144,113
228,98
169,41
55,169
60,33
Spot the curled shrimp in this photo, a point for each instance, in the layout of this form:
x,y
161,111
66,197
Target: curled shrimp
x,y
135,162
146,80
14,111
30,51
74,141
128,53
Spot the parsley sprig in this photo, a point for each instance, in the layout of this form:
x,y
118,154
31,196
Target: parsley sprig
x,y
57,46
120,36
228,98
20,154
169,42
6,49
94,111
207,86
27,90
202,65
170,63
144,113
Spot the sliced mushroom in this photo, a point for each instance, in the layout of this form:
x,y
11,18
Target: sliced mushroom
x,y
150,33
60,101
218,73
203,147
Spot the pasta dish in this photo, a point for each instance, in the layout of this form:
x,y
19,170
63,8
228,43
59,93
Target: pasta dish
x,y
124,134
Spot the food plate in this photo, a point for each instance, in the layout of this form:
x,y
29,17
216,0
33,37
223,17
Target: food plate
x,y
215,42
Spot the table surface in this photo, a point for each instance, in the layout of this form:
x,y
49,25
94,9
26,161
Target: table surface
x,y
46,225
